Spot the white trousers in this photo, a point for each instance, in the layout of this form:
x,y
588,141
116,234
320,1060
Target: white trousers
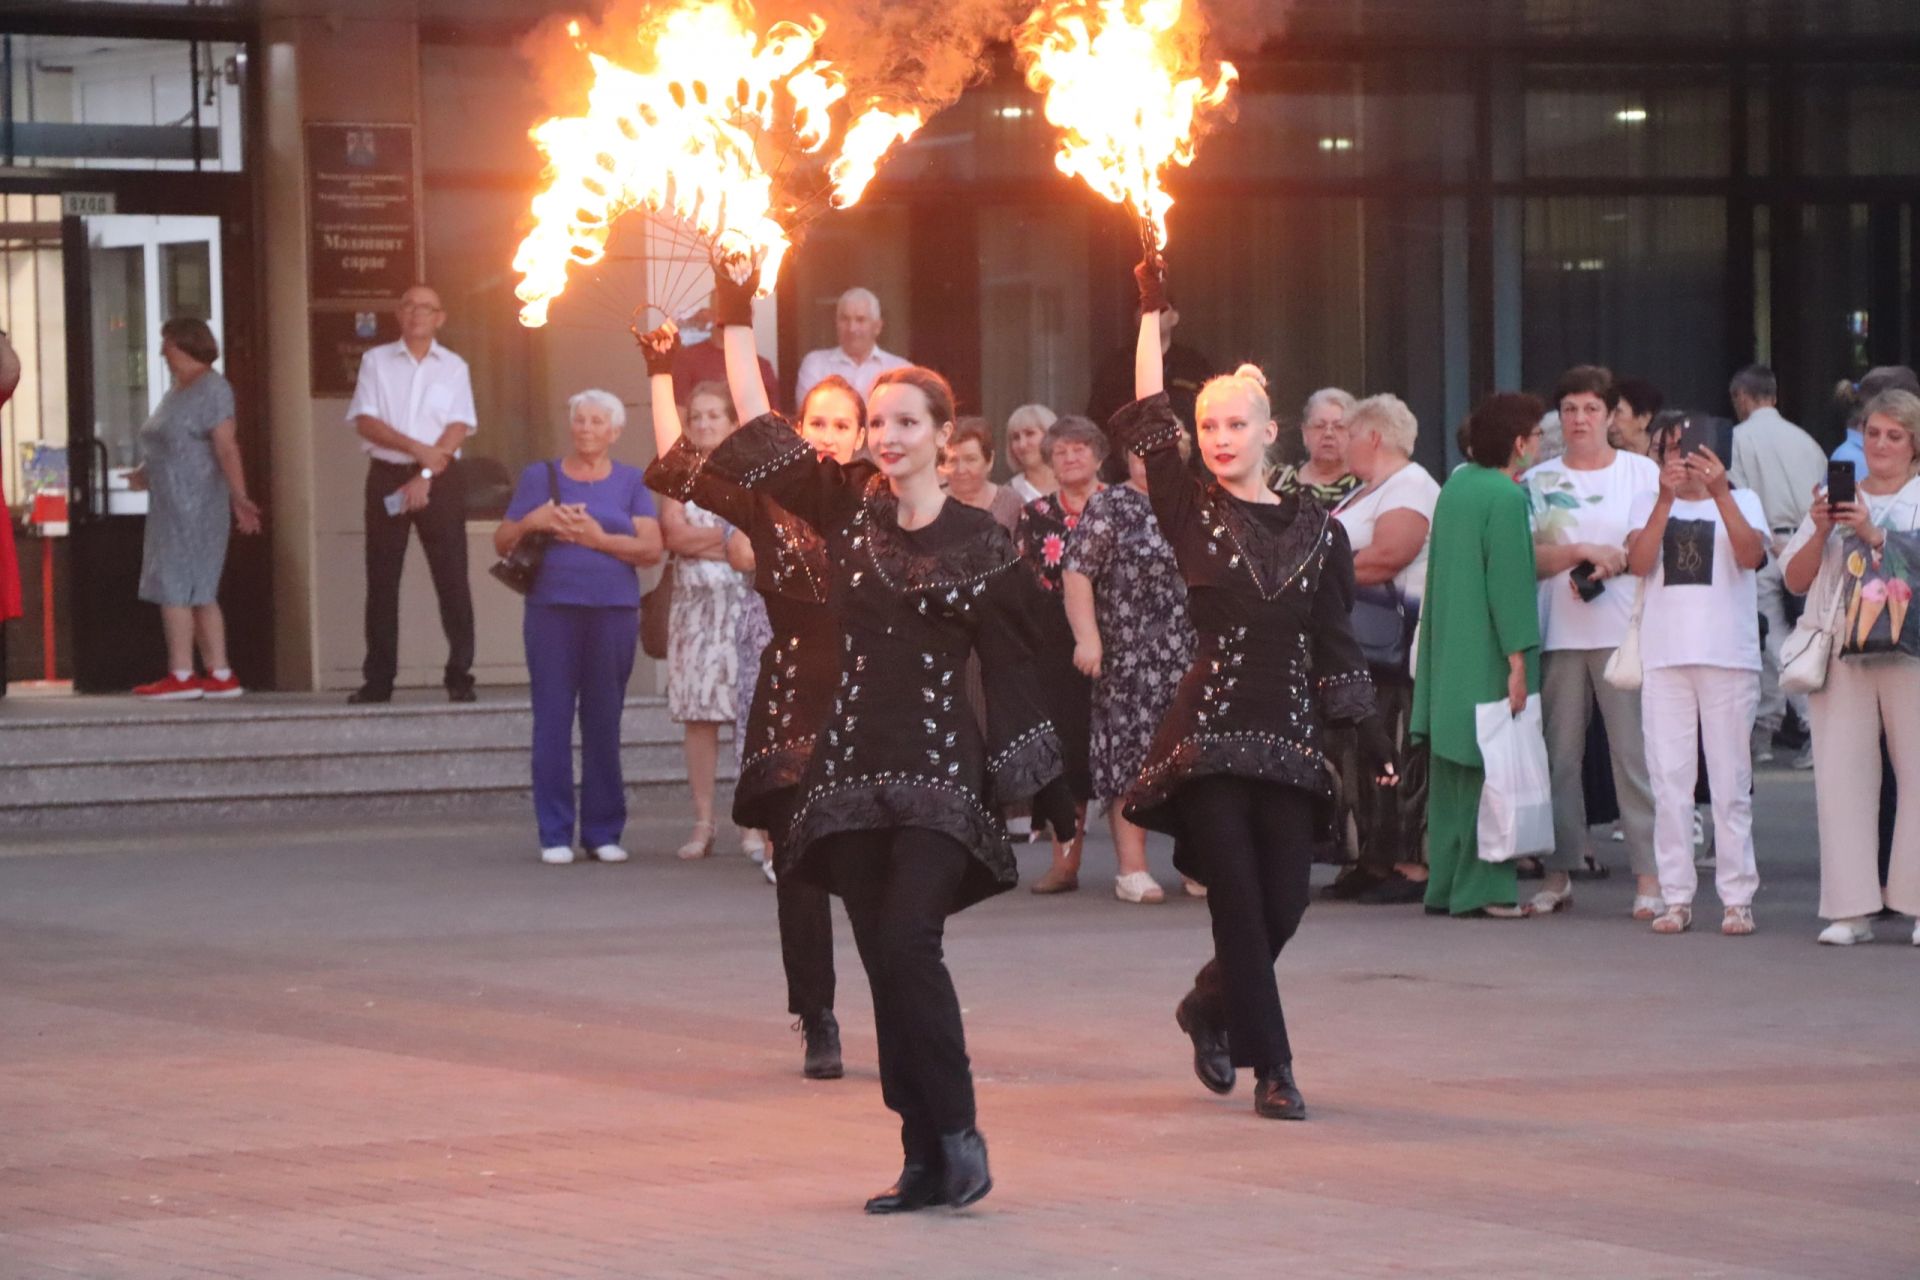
x,y
1863,696
1684,708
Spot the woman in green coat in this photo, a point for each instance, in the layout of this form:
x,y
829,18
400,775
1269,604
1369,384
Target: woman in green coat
x,y
1479,641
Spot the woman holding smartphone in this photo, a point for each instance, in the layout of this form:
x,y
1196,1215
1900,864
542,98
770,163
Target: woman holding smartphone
x,y
898,809
1863,695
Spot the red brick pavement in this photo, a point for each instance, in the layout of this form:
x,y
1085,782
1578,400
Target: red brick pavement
x,y
417,1053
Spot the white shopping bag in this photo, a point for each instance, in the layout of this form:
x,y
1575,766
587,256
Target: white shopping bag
x,y
1516,805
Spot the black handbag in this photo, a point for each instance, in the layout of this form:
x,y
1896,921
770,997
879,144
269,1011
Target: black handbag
x,y
519,567
1383,625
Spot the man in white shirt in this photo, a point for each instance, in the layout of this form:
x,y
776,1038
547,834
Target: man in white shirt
x,y
413,409
1781,464
858,358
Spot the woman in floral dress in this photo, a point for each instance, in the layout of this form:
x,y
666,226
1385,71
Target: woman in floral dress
x,y
1127,604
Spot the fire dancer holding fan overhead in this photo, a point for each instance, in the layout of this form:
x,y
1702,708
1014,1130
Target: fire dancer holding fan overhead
x,y
1237,774
899,809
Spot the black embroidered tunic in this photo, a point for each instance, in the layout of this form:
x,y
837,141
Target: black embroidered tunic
x,y
800,664
1041,539
1269,588
899,744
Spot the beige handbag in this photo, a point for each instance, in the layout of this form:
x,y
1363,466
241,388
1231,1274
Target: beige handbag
x,y
1806,654
1623,670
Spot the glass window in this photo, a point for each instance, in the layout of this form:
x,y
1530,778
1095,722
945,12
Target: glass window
x,y
865,246
1034,278
33,311
1859,121
1635,283
87,102
1625,122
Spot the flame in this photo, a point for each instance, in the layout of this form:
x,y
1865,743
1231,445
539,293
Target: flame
x,y
679,133
1126,85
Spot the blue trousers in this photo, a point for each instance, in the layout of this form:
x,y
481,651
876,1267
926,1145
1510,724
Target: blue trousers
x,y
578,659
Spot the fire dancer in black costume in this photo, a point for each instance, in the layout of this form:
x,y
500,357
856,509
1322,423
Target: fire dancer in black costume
x,y
798,668
1236,772
899,811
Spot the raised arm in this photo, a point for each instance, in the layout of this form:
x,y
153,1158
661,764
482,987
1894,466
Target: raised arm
x,y
1149,370
733,309
659,348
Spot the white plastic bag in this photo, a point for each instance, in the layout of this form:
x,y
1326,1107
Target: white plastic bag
x,y
1516,804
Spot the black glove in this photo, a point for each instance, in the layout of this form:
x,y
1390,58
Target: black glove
x,y
659,347
1377,755
733,303
1054,806
1150,275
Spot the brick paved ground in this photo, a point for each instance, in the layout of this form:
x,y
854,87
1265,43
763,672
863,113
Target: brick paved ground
x,y
417,1053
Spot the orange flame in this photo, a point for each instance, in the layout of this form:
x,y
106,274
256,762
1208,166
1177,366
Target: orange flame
x,y
680,135
1128,88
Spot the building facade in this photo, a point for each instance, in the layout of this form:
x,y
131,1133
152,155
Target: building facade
x,y
1427,197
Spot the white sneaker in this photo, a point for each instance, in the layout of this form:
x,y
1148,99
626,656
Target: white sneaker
x,y
1804,760
766,869
754,847
609,853
1844,933
1138,886
1762,745
558,855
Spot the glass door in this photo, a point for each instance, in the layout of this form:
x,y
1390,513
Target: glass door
x,y
127,274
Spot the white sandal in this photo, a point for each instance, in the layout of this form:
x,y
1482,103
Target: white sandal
x,y
1138,886
699,845
1676,918
1646,907
1737,922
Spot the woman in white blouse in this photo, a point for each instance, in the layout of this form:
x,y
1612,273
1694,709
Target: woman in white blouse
x,y
1864,696
1027,427
1386,520
1697,544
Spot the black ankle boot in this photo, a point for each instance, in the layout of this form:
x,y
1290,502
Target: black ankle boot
x,y
1276,1096
919,1185
1211,1061
966,1176
822,1031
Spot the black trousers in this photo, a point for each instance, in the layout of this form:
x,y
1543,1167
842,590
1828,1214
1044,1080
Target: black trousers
x,y
442,525
898,884
1254,842
806,925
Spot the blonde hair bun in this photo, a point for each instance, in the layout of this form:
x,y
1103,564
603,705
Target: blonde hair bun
x,y
1253,372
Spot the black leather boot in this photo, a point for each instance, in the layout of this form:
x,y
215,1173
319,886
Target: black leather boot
x,y
1277,1098
919,1185
965,1155
1211,1061
822,1031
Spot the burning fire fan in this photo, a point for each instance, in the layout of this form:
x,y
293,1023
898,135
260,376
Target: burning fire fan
x,y
716,130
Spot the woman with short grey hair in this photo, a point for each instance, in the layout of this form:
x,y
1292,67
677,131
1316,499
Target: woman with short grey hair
x,y
1324,434
1387,521
581,623
1073,449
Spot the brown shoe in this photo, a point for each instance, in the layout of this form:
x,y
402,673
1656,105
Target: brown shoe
x,y
1059,879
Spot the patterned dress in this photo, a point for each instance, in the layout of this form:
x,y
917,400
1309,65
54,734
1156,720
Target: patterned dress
x,y
703,672
1041,538
188,514
1140,603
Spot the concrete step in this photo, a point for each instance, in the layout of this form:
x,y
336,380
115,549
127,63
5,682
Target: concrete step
x,y
204,729
114,764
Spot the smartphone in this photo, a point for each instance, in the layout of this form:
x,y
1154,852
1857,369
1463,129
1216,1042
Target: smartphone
x,y
1840,482
395,502
1583,581
1696,435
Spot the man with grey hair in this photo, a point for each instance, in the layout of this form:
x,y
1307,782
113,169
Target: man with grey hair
x,y
858,358
1782,465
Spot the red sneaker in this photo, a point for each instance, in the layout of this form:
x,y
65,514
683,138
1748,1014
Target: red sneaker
x,y
171,689
214,687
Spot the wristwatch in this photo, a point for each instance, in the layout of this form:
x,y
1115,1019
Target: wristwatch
x,y
426,473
